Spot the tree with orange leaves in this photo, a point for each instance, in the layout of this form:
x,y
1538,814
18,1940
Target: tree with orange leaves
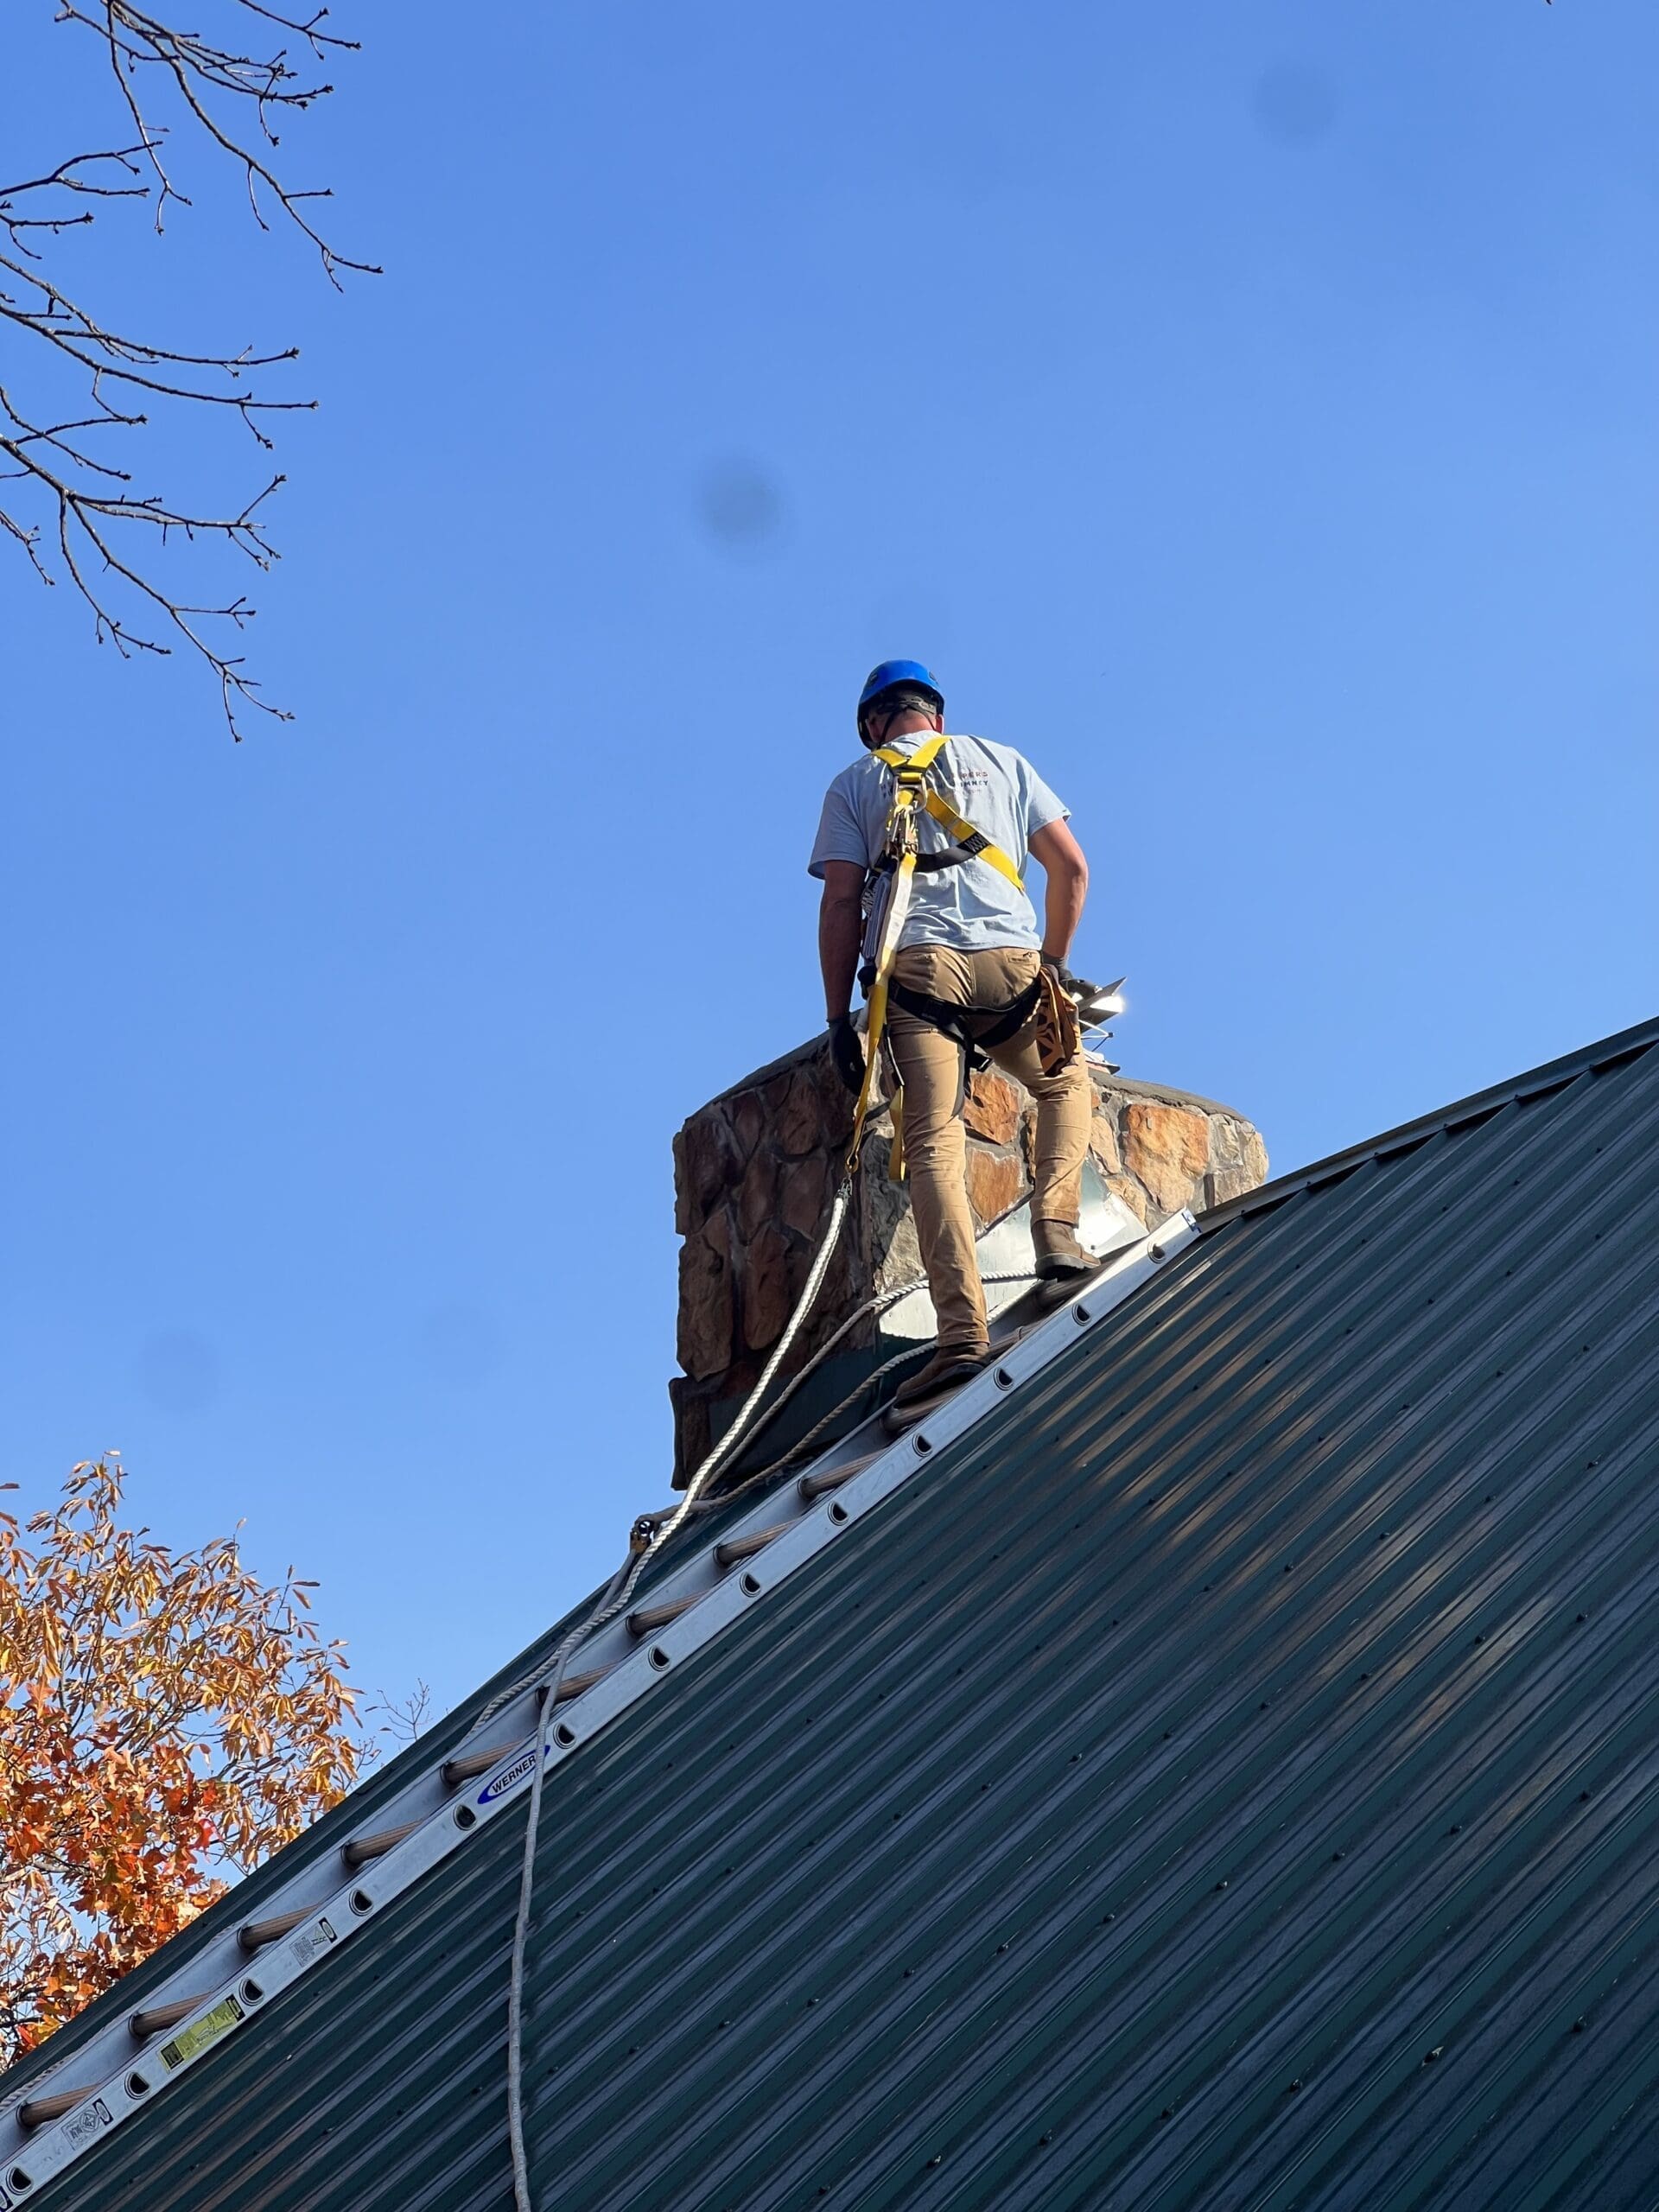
x,y
167,1719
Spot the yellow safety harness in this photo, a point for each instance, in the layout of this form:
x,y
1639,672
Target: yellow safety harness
x,y
901,853
971,844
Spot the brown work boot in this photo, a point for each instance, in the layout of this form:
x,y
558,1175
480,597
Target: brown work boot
x,y
1060,1258
948,1369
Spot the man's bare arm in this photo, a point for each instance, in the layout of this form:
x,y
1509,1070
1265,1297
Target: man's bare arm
x,y
840,928
1061,858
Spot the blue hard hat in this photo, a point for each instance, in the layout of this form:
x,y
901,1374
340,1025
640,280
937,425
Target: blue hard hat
x,y
887,673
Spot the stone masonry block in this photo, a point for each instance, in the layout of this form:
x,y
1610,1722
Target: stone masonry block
x,y
991,1108
1102,1143
705,1167
757,1193
767,1293
1168,1149
1133,1196
748,1114
804,1193
995,1181
706,1303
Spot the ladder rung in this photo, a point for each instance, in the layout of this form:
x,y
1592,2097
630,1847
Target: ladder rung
x,y
811,1486
158,2017
471,1764
258,1933
650,1618
37,2111
737,1548
362,1848
467,1766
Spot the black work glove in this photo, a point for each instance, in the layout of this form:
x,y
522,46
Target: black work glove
x,y
847,1051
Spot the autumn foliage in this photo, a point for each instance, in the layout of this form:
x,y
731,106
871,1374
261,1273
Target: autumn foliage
x,y
168,1720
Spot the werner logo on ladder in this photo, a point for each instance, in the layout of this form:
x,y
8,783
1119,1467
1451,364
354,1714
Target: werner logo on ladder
x,y
928,908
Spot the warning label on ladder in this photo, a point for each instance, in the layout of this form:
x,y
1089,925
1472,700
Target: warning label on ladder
x,y
200,2033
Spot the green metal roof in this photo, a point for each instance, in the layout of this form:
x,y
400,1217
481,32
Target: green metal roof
x,y
1224,1773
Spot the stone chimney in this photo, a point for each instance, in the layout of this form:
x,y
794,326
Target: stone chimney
x,y
755,1170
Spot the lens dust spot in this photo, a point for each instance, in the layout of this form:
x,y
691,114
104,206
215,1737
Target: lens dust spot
x,y
1293,104
459,1346
740,508
178,1371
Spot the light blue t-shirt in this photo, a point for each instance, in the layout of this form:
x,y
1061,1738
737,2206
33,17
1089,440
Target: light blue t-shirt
x,y
973,908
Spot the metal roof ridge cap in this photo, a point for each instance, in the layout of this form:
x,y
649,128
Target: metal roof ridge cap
x,y
1623,1044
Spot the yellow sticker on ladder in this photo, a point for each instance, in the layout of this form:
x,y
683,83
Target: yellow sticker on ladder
x,y
196,2038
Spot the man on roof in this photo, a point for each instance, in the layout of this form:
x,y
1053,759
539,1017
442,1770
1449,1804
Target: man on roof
x,y
972,976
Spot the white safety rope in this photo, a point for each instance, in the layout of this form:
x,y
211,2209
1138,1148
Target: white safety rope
x,y
614,1601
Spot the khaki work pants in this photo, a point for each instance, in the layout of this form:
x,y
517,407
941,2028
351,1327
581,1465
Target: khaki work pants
x,y
931,1067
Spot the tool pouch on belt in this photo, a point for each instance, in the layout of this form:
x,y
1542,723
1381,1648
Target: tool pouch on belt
x,y
1058,1029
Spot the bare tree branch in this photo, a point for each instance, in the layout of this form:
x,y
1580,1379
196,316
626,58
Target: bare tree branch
x,y
72,513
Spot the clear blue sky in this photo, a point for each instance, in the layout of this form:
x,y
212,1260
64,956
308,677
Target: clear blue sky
x,y
1251,412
